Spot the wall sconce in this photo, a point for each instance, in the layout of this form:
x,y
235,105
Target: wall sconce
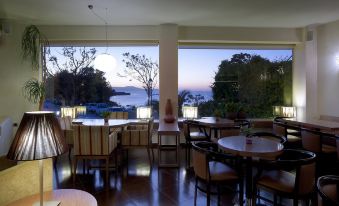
x,y
189,112
68,112
80,110
288,111
144,112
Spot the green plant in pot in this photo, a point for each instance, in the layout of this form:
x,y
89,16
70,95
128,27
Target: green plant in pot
x,y
105,115
34,46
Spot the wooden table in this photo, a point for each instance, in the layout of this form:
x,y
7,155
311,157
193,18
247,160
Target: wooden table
x,y
67,197
317,124
260,147
215,124
168,129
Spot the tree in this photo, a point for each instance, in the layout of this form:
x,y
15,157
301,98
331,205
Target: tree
x,y
75,59
142,69
254,81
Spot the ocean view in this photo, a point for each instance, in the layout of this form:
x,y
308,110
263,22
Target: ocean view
x,y
138,96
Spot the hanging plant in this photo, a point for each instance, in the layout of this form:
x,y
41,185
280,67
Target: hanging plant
x,y
34,91
31,40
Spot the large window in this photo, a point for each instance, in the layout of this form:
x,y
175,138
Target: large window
x,y
121,81
228,82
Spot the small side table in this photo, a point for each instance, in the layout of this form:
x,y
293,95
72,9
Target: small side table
x,y
168,129
67,197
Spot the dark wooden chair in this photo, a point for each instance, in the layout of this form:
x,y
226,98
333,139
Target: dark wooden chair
x,y
193,132
276,177
328,190
211,172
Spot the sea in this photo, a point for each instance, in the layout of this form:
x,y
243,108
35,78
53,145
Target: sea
x,y
138,96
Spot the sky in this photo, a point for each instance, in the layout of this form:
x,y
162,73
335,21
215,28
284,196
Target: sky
x,y
203,63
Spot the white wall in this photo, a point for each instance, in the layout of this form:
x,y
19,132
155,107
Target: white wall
x,y
328,71
13,72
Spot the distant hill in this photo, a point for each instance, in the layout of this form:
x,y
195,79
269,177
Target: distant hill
x,y
131,90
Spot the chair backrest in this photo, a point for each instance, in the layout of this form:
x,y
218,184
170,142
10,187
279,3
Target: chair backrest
x,y
311,140
271,136
244,123
66,123
279,129
189,125
327,187
304,163
93,140
138,135
118,115
229,131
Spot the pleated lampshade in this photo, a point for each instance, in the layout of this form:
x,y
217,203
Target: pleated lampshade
x,y
39,136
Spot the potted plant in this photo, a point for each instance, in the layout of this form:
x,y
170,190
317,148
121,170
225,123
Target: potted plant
x,y
106,115
33,46
248,133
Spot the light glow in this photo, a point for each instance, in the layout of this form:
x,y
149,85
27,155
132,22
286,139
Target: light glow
x,y
190,112
68,112
105,62
144,112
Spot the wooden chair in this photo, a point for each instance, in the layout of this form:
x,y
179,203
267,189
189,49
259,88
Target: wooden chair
x,y
210,171
66,127
94,142
118,115
292,133
193,132
327,188
139,136
276,177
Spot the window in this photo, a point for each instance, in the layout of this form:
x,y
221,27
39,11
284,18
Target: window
x,y
239,81
120,81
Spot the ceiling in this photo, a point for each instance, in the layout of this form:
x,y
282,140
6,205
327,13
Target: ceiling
x,y
234,13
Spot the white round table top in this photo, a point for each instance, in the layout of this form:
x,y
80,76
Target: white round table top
x,y
67,197
260,147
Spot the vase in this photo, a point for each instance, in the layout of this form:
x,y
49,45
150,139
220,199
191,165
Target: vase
x,y
169,117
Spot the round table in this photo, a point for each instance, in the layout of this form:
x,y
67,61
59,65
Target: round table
x,y
67,197
260,148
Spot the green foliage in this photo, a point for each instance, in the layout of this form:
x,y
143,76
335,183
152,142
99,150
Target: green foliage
x,y
34,91
30,45
88,85
105,114
254,83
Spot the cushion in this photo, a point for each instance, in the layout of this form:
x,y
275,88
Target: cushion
x,y
221,172
277,180
328,149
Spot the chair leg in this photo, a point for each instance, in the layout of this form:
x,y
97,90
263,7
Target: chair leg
x,y
69,152
149,157
116,162
152,154
189,155
295,202
275,202
75,163
208,194
195,191
218,191
107,171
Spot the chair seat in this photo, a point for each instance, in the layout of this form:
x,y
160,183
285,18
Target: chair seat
x,y
278,180
293,138
197,136
328,149
221,172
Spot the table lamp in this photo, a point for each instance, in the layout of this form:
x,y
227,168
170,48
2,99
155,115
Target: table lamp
x,y
144,112
189,112
68,111
38,137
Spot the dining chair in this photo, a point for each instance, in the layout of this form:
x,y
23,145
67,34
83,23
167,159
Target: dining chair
x,y
277,176
139,136
193,132
293,136
328,190
66,127
211,172
94,142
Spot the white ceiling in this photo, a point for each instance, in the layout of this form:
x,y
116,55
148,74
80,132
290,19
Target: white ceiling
x,y
238,13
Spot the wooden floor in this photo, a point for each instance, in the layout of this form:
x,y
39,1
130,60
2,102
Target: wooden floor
x,y
138,184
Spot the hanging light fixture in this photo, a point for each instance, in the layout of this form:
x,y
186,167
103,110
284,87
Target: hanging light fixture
x,y
104,61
